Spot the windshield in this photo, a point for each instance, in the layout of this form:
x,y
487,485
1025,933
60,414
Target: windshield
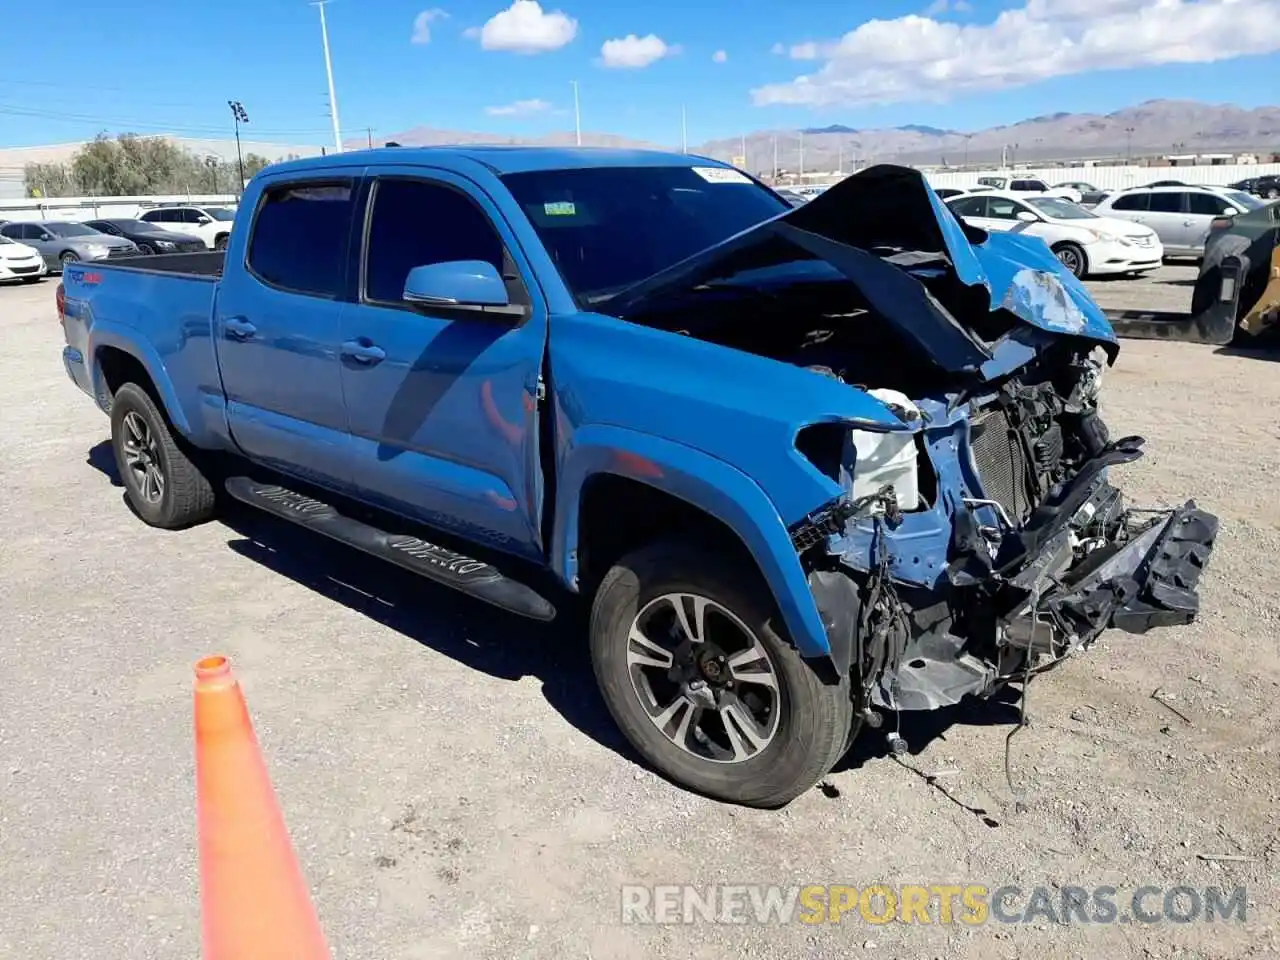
x,y
1241,199
72,230
1060,209
220,213
607,228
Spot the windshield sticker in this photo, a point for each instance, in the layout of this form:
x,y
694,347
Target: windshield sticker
x,y
721,175
560,208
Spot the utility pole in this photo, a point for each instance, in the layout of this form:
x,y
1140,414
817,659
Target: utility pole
x,y
745,165
1128,144
775,159
237,112
684,131
840,154
369,130
577,114
802,157
328,69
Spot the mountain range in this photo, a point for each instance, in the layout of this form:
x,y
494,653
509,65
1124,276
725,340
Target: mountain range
x,y
1153,127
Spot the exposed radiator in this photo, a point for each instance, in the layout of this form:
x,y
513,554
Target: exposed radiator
x,y
1002,463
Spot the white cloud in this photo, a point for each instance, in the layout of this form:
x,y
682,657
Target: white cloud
x,y
632,52
777,49
804,51
520,108
920,58
524,27
943,6
422,25
719,56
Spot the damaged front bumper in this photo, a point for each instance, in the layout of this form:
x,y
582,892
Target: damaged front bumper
x,y
1093,565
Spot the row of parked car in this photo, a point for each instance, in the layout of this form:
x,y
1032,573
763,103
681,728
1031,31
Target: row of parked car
x,y
31,249
1127,232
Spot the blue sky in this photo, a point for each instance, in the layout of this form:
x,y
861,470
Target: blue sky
x,y
736,65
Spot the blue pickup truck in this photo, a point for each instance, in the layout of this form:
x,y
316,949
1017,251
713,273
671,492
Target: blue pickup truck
x,y
806,465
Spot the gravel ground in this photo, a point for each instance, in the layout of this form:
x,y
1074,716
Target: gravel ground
x,y
455,789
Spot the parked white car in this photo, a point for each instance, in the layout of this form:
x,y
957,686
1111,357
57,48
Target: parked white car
x,y
210,224
1084,243
20,262
1023,185
1180,215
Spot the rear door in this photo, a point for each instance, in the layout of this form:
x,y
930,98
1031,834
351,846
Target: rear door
x,y
443,402
1167,216
973,211
278,321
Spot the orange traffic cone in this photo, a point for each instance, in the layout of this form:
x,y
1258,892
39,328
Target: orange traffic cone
x,y
254,903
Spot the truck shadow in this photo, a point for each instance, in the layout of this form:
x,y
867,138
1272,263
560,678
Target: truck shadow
x,y
508,647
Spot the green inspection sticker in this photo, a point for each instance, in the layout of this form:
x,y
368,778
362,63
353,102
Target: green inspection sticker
x,y
561,208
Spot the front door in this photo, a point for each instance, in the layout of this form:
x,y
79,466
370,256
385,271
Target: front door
x,y
277,324
1167,216
443,402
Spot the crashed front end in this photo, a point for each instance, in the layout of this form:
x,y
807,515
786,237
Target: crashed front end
x,y
1025,554
1011,548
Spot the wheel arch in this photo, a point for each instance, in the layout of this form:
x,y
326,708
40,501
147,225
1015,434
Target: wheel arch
x,y
670,483
117,360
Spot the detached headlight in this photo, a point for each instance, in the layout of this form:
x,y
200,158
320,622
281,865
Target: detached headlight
x,y
881,459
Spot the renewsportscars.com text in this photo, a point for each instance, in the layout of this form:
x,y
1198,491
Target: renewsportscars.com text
x,y
970,904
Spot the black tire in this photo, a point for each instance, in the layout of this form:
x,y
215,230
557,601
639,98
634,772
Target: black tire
x,y
1072,257
146,249
36,279
1272,193
220,242
814,717
187,497
68,256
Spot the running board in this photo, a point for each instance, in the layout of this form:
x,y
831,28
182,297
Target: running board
x,y
1216,325
473,577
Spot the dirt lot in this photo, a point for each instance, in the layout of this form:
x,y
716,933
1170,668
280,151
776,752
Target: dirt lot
x,y
455,789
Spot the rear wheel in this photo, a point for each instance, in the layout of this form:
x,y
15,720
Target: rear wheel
x,y
221,242
690,662
1072,257
164,486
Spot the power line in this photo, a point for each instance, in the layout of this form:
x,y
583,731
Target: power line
x,y
15,110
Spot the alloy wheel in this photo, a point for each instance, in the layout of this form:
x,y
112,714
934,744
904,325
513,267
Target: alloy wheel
x,y
703,678
142,457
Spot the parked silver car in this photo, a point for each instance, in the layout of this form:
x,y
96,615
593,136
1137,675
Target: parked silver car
x,y
61,241
1180,215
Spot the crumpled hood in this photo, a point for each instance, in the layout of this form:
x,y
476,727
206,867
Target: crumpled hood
x,y
878,226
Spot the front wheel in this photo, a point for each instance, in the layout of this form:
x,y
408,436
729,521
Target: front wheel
x,y
1273,193
164,486
68,258
1071,257
690,662
221,242
146,249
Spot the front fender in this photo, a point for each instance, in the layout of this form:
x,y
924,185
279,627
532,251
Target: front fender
x,y
108,334
709,484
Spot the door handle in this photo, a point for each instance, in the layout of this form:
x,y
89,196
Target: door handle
x,y
362,351
238,328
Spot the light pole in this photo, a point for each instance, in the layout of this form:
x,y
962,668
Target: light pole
x,y
237,111
212,163
328,69
1128,144
577,114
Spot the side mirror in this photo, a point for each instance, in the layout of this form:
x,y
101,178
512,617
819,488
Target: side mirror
x,y
204,221
458,283
1026,216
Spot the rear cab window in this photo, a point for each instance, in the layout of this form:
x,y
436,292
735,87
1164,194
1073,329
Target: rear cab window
x,y
301,236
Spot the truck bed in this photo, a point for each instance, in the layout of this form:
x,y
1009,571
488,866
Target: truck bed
x,y
207,263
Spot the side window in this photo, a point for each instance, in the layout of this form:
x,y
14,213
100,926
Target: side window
x,y
1167,202
150,216
416,222
27,231
1131,201
1209,204
1001,209
300,237
970,207
190,216
1027,185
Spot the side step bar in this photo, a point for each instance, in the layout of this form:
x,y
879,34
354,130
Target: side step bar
x,y
473,577
1216,325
